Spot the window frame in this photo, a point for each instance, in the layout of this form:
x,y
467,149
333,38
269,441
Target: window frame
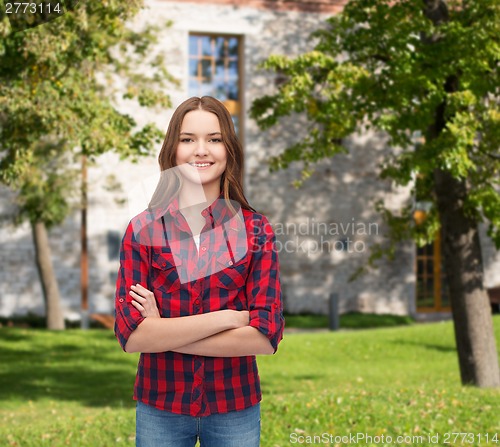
x,y
240,104
437,275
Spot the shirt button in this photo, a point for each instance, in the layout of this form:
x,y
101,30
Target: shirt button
x,y
197,302
203,248
121,300
230,263
163,264
204,212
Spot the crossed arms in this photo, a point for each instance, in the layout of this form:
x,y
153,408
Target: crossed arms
x,y
224,333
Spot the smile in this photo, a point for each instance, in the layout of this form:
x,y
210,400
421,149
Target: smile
x,y
201,165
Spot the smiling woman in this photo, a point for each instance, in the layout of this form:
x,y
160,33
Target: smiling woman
x,y
199,316
201,146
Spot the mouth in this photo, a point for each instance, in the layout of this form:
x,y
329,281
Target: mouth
x,y
201,164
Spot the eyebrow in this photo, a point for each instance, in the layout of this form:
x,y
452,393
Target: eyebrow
x,y
192,134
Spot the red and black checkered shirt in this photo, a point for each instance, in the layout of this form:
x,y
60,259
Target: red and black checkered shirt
x,y
235,267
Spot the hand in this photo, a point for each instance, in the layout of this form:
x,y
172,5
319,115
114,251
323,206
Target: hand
x,y
237,318
144,301
244,317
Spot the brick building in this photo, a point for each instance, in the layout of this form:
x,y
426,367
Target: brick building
x,y
324,229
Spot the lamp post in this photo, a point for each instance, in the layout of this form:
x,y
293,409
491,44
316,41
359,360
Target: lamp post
x,y
84,261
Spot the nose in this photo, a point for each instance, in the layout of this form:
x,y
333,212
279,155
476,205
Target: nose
x,y
201,149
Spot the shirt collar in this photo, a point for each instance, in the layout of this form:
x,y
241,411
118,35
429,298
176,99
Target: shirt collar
x,y
218,209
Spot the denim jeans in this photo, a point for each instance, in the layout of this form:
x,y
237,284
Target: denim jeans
x,y
158,428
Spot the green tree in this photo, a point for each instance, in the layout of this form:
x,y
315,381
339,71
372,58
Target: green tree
x,y
59,82
425,68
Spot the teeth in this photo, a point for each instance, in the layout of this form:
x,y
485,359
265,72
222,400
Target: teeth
x,y
201,165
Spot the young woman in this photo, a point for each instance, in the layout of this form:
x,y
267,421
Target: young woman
x,y
198,291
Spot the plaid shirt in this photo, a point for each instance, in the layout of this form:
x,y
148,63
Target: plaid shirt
x,y
236,268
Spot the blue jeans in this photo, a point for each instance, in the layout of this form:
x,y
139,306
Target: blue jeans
x,y
158,428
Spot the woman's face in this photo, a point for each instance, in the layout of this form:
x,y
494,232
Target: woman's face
x,y
201,147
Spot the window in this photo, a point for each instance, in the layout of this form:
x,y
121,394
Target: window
x,y
431,288
432,293
214,70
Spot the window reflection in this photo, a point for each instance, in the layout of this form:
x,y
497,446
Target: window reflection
x,y
214,70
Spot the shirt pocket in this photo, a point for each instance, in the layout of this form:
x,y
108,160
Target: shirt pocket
x,y
229,275
163,273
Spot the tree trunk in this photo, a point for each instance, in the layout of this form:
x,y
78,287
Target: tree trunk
x,y
53,311
476,346
474,336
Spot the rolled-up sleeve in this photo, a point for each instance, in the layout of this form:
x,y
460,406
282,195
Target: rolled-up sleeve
x,y
263,288
133,270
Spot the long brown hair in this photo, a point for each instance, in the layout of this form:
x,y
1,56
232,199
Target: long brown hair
x,y
231,180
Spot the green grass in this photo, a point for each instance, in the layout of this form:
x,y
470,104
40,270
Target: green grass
x,y
74,388
351,320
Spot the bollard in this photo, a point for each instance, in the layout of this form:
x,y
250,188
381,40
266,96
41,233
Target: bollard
x,y
334,312
84,323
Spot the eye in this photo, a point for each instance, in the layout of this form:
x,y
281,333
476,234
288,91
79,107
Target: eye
x,y
216,140
186,140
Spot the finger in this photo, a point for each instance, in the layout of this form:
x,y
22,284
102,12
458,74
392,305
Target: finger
x,y
142,289
146,293
137,305
136,296
139,289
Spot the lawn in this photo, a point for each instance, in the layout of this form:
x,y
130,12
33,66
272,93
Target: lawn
x,y
74,389
351,320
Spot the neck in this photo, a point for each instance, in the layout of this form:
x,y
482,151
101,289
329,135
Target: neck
x,y
193,195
